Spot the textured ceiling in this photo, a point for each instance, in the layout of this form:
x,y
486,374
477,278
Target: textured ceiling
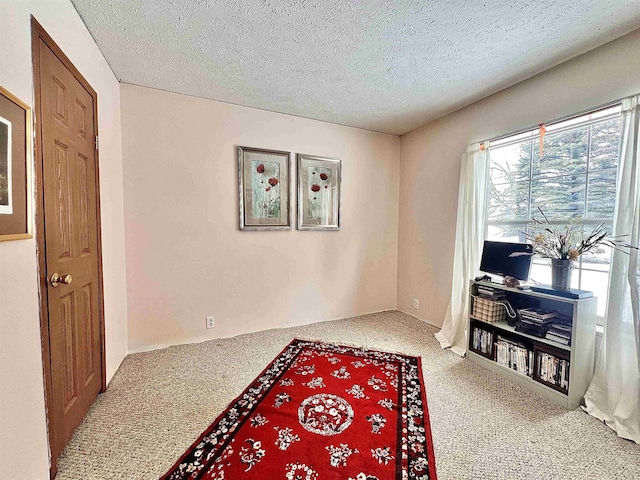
x,y
387,66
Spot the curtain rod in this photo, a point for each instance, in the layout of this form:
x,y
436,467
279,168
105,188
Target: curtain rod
x,y
556,120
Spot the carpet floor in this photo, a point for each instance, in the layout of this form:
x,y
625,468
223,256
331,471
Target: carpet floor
x,y
484,427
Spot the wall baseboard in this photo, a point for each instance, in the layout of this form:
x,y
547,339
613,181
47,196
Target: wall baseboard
x,y
149,348
302,323
425,320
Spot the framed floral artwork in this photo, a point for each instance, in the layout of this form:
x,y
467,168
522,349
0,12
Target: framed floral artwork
x,y
265,189
319,181
15,168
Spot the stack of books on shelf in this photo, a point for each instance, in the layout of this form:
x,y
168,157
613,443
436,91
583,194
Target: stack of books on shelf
x,y
490,293
515,356
559,333
553,370
535,321
483,341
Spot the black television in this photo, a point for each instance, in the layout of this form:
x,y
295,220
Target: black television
x,y
507,259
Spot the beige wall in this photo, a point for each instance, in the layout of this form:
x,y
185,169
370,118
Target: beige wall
x,y
22,416
430,160
187,258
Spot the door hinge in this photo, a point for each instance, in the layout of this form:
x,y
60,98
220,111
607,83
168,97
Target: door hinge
x,y
97,144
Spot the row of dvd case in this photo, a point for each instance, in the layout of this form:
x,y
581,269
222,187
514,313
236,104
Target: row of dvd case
x,y
517,357
514,356
553,370
482,341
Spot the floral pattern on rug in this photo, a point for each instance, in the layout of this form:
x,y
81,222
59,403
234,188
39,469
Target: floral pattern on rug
x,y
357,414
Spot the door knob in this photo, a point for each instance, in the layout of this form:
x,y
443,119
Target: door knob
x,y
57,279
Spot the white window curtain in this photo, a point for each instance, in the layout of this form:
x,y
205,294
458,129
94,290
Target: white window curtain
x,y
472,200
614,394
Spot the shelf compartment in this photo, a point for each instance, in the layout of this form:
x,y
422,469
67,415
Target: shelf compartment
x,y
504,326
515,355
482,336
563,367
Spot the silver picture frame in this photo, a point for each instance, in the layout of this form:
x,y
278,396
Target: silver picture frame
x,y
319,192
264,187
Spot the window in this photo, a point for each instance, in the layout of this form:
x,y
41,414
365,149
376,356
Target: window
x,y
575,178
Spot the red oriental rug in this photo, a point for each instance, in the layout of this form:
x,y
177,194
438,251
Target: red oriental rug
x,y
320,412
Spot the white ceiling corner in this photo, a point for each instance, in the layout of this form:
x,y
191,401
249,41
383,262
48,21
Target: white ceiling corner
x,y
386,66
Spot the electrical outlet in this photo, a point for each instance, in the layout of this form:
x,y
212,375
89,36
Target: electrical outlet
x,y
211,322
416,303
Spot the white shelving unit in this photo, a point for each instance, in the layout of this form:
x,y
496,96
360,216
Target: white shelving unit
x,y
580,352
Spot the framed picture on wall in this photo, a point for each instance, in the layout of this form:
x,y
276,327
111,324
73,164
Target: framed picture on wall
x,y
15,168
265,189
319,202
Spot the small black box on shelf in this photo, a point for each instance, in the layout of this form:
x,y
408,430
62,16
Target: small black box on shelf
x,y
531,328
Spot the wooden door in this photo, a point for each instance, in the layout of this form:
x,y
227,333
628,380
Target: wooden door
x,y
69,233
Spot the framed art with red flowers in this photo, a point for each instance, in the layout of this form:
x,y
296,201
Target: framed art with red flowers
x,y
265,189
319,203
15,168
